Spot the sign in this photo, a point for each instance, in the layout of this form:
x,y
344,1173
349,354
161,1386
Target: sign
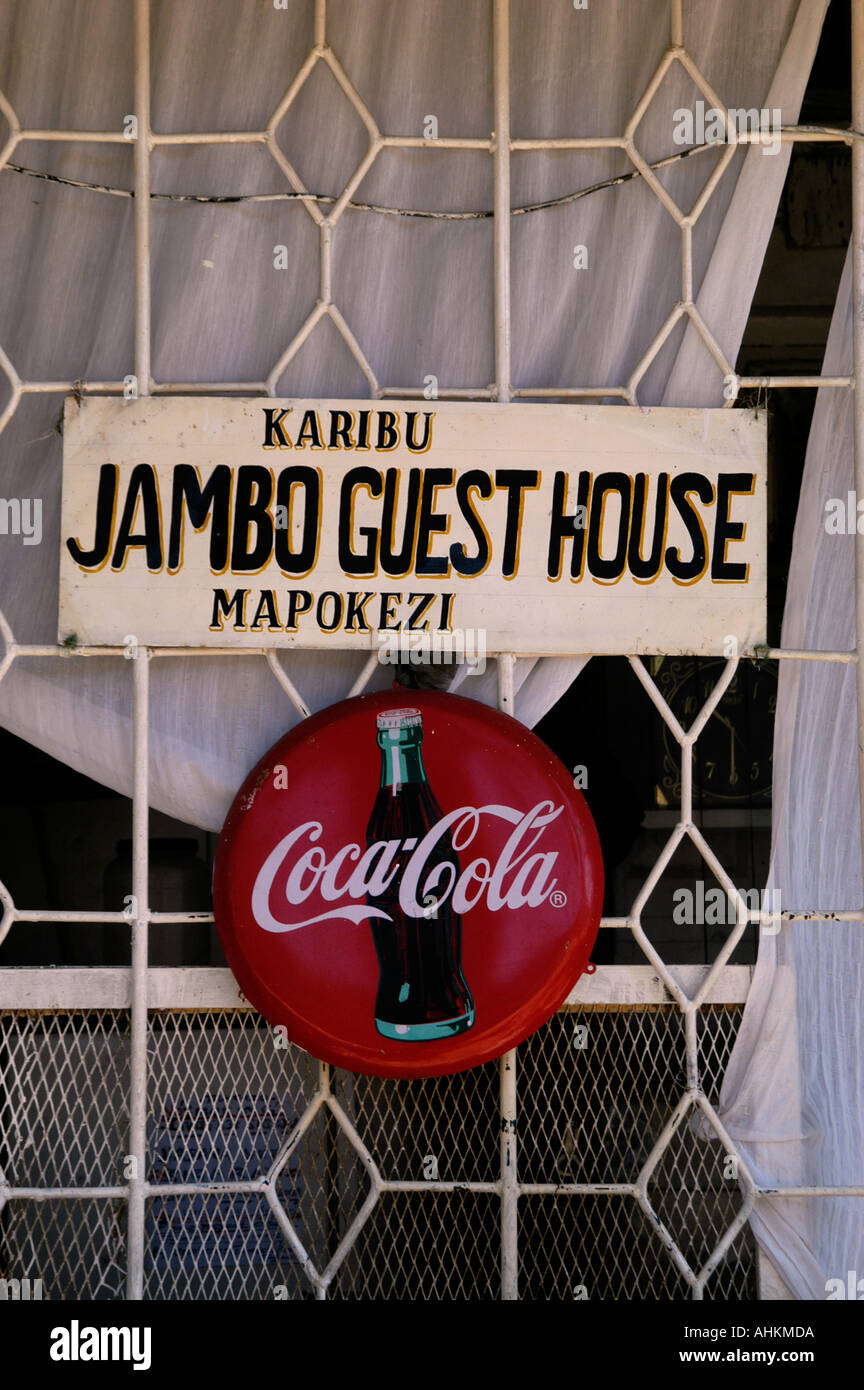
x,y
408,884
354,524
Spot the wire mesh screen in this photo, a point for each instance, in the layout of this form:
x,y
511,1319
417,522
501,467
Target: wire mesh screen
x,y
258,1181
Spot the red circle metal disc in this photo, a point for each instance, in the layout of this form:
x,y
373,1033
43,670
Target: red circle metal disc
x,y
409,883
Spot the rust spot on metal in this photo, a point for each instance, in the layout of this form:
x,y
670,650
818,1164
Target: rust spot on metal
x,y
249,799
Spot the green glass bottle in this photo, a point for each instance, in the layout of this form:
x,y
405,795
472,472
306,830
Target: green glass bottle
x,y
422,993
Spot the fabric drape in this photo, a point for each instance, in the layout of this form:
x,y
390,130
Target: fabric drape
x,y
793,1093
416,292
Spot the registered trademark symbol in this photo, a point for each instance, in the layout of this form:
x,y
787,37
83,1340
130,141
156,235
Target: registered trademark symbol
x,y
558,899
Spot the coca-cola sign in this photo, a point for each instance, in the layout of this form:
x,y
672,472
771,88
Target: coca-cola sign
x,y
410,886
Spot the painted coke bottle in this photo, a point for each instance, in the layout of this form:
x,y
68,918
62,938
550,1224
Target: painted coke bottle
x,y
422,994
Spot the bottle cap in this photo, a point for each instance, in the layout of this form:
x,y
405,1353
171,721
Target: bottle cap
x,y
399,719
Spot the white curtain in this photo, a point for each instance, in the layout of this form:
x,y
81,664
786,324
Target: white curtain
x,y
793,1094
417,292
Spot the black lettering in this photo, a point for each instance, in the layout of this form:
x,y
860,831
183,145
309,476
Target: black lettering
x,y
364,562
724,571
340,429
274,435
266,607
396,563
431,522
563,527
643,569
425,603
355,613
516,481
298,562
410,429
252,480
189,495
106,502
337,611
608,571
299,602
388,430
388,604
309,432
143,485
363,432
475,480
688,571
224,607
446,606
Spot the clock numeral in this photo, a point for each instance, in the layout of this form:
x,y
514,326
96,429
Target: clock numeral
x,y
710,769
754,772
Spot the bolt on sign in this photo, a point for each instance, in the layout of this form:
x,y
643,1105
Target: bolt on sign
x,y
337,524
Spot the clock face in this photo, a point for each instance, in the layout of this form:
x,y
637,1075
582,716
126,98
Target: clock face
x,y
732,757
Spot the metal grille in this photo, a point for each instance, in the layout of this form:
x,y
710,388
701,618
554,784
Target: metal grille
x,y
392,1190
108,1186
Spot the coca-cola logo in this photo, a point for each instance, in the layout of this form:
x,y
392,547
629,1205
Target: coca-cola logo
x,y
418,888
517,879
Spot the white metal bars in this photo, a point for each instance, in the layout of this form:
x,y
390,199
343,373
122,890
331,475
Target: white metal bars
x,y
690,996
499,145
219,1079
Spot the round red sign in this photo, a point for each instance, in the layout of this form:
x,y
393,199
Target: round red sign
x,y
409,882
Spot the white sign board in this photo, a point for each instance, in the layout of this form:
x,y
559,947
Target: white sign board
x,y
344,524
